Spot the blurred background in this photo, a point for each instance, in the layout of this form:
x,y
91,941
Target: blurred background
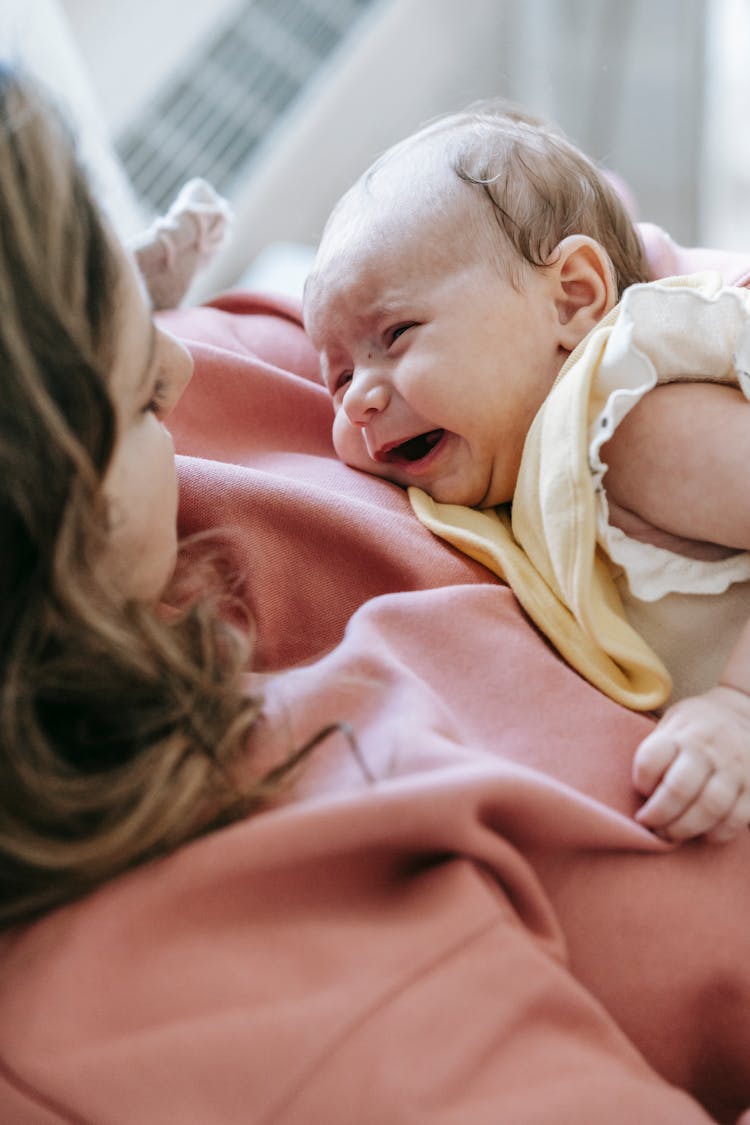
x,y
282,103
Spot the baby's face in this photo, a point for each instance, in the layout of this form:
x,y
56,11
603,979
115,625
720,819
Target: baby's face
x,y
435,363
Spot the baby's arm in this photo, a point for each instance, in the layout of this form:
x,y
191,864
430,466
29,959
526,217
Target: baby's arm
x,y
678,463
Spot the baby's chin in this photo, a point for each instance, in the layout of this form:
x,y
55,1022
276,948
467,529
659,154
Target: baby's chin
x,y
467,494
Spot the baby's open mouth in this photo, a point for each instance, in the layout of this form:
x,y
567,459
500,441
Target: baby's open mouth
x,y
414,449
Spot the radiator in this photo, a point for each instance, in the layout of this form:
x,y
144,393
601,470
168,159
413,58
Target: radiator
x,y
212,115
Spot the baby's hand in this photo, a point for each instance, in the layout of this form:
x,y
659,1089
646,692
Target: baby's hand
x,y
695,768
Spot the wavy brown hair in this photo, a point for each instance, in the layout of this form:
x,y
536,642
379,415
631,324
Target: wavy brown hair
x,y
540,186
118,727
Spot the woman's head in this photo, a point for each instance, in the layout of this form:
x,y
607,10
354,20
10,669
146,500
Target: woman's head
x,y
115,724
57,291
86,472
146,379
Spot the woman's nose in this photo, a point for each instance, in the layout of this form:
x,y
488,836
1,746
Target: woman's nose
x,y
366,394
177,363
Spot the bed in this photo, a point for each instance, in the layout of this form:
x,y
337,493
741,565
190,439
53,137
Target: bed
x,y
453,919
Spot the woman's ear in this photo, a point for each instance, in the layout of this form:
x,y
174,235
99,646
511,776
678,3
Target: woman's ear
x,y
584,285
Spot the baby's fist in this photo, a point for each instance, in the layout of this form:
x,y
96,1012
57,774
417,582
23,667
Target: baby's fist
x,y
695,768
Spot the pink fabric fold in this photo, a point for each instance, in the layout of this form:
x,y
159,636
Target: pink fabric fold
x,y
668,258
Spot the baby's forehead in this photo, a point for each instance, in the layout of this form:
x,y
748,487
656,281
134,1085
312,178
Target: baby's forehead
x,y
409,204
395,199
412,177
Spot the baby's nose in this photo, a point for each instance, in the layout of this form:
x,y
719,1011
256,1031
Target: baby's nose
x,y
364,397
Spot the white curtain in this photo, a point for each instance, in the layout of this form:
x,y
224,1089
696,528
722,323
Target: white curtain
x,y
35,34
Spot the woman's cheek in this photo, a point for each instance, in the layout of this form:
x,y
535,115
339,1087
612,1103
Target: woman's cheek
x,y
141,489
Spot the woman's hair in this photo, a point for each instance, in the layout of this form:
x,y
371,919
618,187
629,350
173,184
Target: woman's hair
x,y
540,186
118,726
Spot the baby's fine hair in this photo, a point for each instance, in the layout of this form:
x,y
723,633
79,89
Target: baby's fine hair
x,y
540,186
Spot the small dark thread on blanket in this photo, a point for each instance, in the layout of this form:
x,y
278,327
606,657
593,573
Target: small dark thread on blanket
x,y
342,728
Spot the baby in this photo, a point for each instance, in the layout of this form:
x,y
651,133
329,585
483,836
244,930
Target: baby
x,y
480,307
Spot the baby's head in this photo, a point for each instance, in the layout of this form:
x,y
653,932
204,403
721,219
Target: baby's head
x,y
451,283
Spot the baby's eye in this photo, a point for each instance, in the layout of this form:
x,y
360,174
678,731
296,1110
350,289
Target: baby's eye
x,y
341,381
398,330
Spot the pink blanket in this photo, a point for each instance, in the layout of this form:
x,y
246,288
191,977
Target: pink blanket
x,y
459,924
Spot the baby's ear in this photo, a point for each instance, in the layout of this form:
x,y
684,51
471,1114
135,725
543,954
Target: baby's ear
x,y
585,286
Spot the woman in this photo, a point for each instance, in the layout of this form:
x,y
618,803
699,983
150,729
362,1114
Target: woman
x,y
118,722
460,923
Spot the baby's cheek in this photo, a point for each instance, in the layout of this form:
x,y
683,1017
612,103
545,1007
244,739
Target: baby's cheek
x,y
349,444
